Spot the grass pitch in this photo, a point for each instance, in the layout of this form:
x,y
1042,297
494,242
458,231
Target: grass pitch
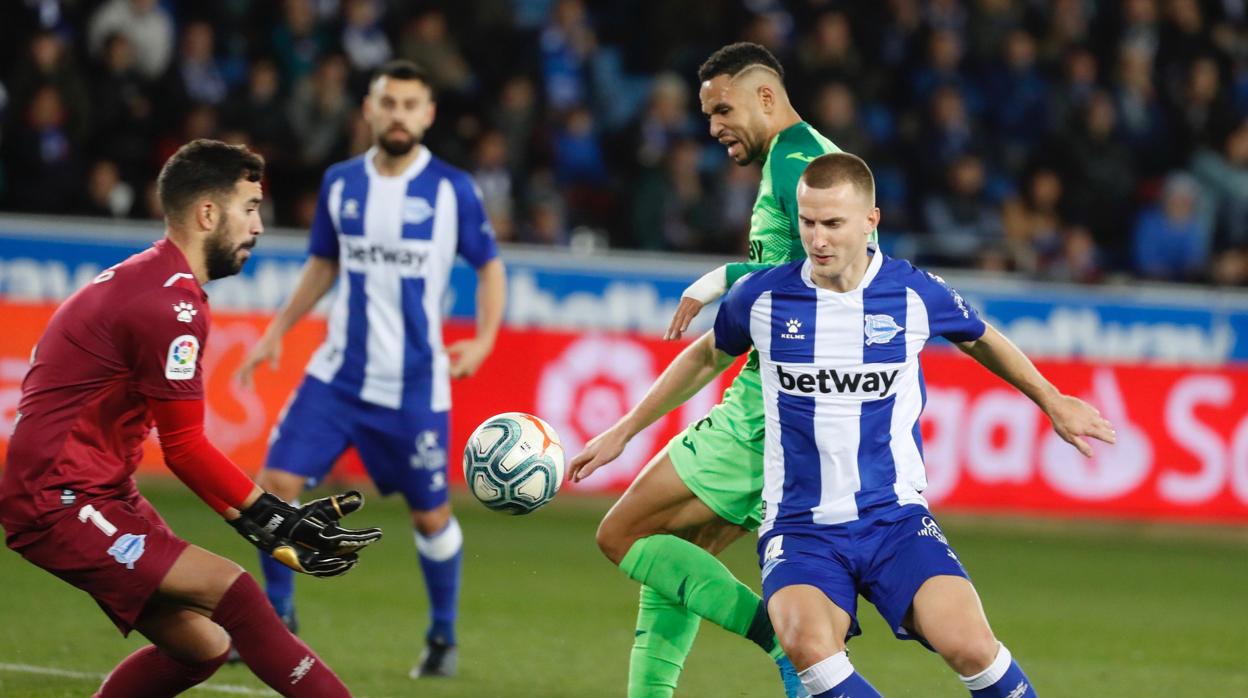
x,y
1101,610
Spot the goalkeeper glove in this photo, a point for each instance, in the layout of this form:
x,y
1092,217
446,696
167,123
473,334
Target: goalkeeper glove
x,y
290,534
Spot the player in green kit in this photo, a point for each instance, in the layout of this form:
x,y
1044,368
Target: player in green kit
x,y
703,490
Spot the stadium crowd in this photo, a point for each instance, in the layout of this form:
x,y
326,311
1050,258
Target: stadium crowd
x,y
1071,140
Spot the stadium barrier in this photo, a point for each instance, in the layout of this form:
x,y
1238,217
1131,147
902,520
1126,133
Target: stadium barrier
x,y
1183,432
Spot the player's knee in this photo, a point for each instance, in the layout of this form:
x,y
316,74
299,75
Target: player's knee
x,y
806,644
432,521
970,653
612,540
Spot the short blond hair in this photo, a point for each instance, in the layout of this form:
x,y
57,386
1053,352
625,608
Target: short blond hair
x,y
827,171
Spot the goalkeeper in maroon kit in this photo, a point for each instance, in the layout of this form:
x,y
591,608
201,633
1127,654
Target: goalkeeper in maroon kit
x,y
120,355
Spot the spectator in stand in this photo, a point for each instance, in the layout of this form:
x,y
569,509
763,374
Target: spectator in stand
x,y
1184,38
664,121
516,114
493,177
1203,112
1068,97
671,207
942,70
1223,176
363,40
145,23
962,222
947,134
1141,24
1016,96
1172,238
299,40
195,77
736,189
828,53
1068,26
427,41
1033,222
123,122
319,112
1079,261
567,44
260,109
835,115
50,62
991,22
578,154
42,150
1142,112
107,195
1099,174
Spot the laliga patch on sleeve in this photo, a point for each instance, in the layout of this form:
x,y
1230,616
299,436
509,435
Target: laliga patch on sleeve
x,y
180,360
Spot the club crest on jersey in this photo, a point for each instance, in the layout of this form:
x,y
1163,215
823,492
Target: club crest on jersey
x,y
429,453
180,360
794,326
186,312
128,549
880,329
416,210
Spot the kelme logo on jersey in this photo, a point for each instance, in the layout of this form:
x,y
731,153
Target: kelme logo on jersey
x,y
180,361
794,326
828,381
880,329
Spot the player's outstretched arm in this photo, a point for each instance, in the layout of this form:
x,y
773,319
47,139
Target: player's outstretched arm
x,y
1072,418
467,354
307,540
317,277
688,373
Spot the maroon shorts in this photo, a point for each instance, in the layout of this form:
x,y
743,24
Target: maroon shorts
x,y
116,550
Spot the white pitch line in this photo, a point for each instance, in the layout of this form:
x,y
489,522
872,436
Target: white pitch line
x,y
68,674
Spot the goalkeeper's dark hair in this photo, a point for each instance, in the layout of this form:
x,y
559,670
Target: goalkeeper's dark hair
x,y
734,58
204,167
402,69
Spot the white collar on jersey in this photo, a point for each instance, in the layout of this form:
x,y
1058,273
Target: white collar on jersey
x,y
873,268
418,165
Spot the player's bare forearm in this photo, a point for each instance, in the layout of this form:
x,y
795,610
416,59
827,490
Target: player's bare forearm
x,y
491,299
1073,419
998,354
691,371
317,277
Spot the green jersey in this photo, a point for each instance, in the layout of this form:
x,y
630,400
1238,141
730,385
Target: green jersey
x,y
720,457
775,238
774,231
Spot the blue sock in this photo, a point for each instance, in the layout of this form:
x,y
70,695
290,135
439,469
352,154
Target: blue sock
x,y
835,677
1002,679
441,558
279,585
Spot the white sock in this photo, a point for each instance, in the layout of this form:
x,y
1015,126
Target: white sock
x,y
442,545
826,673
993,673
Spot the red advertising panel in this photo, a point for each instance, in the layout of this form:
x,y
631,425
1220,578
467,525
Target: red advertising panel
x,y
1182,450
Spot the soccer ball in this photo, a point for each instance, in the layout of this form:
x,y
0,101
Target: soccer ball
x,y
513,463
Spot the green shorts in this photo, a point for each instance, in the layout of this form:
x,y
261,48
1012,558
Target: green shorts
x,y
720,457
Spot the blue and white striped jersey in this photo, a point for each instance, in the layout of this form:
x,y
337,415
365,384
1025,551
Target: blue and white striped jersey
x,y
842,386
395,239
